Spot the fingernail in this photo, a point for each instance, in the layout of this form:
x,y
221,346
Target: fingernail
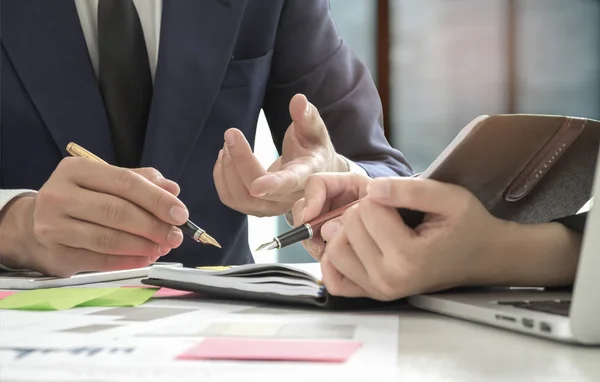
x,y
256,194
379,189
313,248
302,214
164,250
179,215
220,155
308,109
330,229
175,237
230,138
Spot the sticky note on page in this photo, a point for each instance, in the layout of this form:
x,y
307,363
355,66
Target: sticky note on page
x,y
215,268
67,298
6,293
272,350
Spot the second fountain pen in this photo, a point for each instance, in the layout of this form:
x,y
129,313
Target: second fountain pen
x,y
189,228
313,227
305,231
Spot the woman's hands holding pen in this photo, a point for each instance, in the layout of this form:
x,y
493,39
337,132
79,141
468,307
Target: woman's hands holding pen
x,y
93,217
244,185
370,252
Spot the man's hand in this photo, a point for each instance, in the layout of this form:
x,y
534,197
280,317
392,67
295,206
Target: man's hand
x,y
244,185
323,193
371,252
93,217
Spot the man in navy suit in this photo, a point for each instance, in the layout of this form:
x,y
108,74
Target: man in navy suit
x,y
169,93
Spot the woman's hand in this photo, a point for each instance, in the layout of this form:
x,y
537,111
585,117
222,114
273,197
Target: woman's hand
x,y
371,252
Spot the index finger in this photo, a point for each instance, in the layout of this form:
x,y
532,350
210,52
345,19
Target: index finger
x,y
425,195
128,185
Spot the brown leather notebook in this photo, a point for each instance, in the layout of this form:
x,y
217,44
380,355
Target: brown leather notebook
x,y
525,168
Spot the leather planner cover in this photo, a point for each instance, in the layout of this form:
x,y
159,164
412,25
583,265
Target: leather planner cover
x,y
524,168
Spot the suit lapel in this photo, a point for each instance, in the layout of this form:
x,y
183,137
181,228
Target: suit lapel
x,y
45,42
197,38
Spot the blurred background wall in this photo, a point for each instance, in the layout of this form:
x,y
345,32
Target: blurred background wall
x,y
440,63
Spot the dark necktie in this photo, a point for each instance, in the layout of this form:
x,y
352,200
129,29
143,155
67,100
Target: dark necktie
x,y
124,76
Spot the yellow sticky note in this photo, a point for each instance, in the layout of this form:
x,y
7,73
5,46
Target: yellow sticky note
x,y
215,268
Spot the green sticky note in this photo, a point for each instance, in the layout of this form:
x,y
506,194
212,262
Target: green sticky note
x,y
122,297
67,298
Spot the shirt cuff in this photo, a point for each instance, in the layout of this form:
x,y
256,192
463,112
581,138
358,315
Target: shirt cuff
x,y
5,197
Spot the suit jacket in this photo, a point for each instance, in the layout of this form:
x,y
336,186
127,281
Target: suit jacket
x,y
220,62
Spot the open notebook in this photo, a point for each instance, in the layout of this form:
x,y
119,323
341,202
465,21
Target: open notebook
x,y
278,283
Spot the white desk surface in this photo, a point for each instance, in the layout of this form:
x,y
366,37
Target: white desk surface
x,y
437,348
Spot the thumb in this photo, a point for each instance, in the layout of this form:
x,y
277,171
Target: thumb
x,y
308,124
288,180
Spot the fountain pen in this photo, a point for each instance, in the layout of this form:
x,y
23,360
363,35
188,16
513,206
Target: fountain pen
x,y
311,228
305,231
189,228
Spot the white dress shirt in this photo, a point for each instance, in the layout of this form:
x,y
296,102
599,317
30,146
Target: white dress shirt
x,y
150,12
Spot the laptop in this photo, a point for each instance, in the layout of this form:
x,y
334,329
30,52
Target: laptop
x,y
571,315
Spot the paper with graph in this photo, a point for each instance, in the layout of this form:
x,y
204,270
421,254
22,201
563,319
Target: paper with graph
x,y
163,340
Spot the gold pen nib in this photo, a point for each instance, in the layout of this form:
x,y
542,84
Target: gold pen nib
x,y
207,239
267,246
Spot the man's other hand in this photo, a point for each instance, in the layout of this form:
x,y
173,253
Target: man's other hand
x,y
244,185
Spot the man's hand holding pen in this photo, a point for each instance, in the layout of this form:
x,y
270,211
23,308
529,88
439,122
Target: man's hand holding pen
x,y
244,185
93,216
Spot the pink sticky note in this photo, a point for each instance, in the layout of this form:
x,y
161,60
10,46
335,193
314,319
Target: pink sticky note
x,y
168,292
162,292
272,350
6,293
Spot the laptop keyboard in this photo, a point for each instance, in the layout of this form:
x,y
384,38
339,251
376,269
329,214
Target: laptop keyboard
x,y
559,307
